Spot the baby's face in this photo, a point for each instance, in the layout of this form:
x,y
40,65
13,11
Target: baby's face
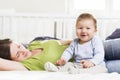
x,y
19,52
85,30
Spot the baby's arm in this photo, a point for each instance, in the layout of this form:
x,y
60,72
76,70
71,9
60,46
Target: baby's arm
x,y
61,62
98,54
67,54
7,65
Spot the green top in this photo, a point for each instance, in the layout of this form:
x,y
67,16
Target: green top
x,y
52,51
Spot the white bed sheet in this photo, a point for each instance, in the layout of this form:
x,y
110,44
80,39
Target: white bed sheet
x,y
43,75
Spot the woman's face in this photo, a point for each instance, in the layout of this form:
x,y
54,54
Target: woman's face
x,y
19,52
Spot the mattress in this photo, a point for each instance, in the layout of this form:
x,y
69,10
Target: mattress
x,y
44,75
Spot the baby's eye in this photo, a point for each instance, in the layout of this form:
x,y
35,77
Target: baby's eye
x,y
79,28
88,28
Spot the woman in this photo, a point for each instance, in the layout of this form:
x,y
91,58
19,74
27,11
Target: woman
x,y
33,58
14,51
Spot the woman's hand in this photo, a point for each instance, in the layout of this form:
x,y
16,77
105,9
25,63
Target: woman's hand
x,y
87,64
61,62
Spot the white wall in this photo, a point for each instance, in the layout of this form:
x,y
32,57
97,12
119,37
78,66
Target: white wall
x,y
34,6
22,20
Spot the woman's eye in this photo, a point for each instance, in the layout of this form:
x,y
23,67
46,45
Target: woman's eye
x,y
17,55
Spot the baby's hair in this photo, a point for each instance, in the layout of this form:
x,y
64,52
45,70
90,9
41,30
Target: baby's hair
x,y
86,16
5,48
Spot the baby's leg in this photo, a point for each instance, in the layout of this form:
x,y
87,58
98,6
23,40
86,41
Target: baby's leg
x,y
94,70
75,69
66,67
50,67
53,68
70,67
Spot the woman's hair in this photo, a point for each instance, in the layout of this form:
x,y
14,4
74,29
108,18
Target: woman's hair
x,y
86,16
5,48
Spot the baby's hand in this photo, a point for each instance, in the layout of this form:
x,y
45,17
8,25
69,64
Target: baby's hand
x,y
61,62
87,64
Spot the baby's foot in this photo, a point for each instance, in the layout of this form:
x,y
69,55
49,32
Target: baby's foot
x,y
50,67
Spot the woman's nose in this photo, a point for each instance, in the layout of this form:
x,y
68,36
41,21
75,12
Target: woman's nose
x,y
22,52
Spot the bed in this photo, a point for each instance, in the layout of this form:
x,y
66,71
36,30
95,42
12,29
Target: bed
x,y
43,75
112,53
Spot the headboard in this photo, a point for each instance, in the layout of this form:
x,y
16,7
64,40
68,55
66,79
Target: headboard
x,y
25,27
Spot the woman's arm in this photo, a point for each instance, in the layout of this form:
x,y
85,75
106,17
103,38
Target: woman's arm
x,y
7,65
66,42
